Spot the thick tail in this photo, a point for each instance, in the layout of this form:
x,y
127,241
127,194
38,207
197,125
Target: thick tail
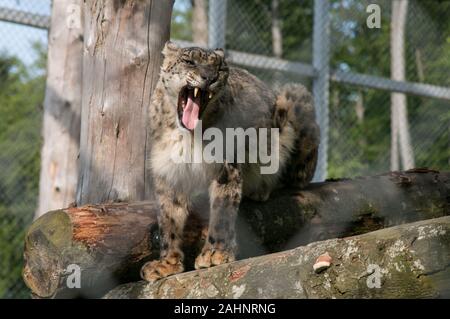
x,y
299,134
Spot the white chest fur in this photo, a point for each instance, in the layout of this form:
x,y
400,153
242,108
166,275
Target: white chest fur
x,y
173,158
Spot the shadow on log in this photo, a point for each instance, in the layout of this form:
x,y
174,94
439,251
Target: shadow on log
x,y
109,242
408,261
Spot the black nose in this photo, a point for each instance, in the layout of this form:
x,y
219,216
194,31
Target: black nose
x,y
206,77
209,78
208,74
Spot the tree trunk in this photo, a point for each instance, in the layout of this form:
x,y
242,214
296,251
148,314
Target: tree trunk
x,y
62,106
395,158
420,66
199,23
359,108
399,110
408,261
277,38
111,242
122,57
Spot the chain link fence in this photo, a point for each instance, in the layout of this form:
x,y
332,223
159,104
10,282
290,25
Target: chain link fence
x,y
360,117
23,42
325,44
332,47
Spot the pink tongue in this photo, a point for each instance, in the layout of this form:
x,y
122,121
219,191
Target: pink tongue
x,y
190,114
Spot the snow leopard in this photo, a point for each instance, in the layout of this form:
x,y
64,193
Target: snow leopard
x,y
197,87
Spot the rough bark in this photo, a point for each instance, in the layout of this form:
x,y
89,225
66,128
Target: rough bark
x,y
62,106
111,241
400,125
408,261
199,23
122,57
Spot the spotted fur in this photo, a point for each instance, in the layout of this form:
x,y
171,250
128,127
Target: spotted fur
x,y
239,100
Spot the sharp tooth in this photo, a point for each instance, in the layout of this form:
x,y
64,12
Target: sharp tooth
x,y
195,92
210,95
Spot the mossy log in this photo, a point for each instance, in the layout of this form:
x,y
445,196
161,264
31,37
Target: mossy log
x,y
109,242
407,261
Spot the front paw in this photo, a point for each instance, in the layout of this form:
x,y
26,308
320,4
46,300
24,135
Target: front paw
x,y
213,257
157,269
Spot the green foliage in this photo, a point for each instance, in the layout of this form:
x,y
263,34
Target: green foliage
x,y
359,118
21,96
181,27
359,147
249,27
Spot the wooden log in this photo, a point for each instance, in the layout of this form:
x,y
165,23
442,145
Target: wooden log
x,y
109,242
62,107
407,261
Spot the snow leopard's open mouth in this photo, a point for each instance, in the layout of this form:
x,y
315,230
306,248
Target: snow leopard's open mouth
x,y
192,101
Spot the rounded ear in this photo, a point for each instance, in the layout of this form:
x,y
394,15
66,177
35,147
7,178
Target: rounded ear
x,y
170,48
220,52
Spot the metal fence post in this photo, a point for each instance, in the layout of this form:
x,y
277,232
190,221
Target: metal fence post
x,y
217,17
321,83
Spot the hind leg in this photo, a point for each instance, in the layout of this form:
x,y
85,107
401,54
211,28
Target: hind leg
x,y
261,194
295,111
305,162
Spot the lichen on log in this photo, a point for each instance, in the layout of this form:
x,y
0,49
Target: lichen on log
x,y
407,261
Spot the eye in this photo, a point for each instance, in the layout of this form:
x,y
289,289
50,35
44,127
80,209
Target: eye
x,y
188,62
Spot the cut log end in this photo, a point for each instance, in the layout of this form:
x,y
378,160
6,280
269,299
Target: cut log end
x,y
43,263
